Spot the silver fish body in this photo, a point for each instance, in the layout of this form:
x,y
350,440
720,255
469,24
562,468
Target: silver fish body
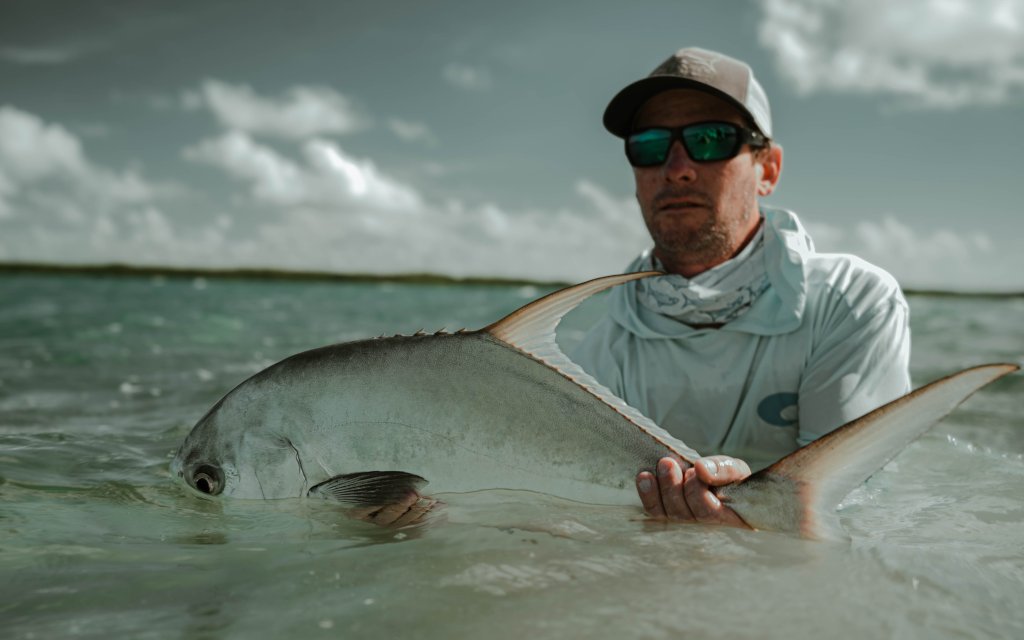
x,y
503,408
464,411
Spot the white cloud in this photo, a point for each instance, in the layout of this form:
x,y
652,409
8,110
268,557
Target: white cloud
x,y
931,53
411,131
328,177
301,112
313,206
273,177
467,77
58,205
330,210
36,157
308,206
30,149
933,259
451,238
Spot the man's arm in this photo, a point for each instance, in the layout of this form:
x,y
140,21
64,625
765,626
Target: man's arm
x,y
860,364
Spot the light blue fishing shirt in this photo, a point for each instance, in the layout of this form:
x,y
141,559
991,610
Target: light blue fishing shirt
x,y
825,343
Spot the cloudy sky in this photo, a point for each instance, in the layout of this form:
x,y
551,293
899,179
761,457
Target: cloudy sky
x,y
464,137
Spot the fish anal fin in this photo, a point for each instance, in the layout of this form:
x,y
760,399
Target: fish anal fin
x,y
368,488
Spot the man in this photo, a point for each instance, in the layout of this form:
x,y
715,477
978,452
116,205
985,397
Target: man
x,y
755,344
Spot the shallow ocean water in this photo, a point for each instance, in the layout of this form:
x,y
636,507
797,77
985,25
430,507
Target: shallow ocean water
x,y
101,378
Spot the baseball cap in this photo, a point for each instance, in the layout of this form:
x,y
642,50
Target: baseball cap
x,y
693,68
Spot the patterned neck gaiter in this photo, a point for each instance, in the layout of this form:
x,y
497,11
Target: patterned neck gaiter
x,y
715,297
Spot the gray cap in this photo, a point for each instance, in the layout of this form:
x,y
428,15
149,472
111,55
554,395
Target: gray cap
x,y
693,68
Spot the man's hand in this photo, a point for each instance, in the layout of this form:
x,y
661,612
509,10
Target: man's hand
x,y
411,510
681,492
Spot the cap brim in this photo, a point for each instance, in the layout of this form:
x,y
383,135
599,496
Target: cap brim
x,y
618,116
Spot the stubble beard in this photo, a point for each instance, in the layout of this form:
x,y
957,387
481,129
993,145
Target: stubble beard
x,y
710,243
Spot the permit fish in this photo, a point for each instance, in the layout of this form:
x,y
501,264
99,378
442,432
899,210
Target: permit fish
x,y
363,423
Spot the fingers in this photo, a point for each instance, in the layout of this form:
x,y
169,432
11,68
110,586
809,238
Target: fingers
x,y
704,505
719,470
683,495
410,510
662,495
670,483
650,496
389,514
416,513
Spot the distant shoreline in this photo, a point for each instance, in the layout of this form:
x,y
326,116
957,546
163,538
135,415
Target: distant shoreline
x,y
126,270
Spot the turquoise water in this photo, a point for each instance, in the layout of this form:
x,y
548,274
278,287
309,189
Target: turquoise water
x,y
101,379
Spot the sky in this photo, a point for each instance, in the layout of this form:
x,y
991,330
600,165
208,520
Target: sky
x,y
465,138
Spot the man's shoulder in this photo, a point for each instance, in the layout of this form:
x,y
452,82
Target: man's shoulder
x,y
845,270
850,281
832,273
831,276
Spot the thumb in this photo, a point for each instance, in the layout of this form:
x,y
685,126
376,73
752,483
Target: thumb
x,y
719,470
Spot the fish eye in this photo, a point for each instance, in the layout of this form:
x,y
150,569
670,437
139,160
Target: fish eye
x,y
208,479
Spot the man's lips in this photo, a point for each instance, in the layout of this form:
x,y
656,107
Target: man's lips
x,y
680,205
680,200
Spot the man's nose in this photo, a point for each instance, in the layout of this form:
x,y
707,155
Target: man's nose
x,y
678,166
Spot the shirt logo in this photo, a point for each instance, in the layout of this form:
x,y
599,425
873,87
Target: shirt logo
x,y
779,409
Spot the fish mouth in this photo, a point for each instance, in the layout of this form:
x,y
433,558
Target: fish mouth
x,y
177,468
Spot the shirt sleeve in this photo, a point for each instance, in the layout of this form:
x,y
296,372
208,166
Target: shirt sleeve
x,y
860,363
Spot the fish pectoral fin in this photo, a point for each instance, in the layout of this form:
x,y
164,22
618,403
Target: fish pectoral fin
x,y
368,488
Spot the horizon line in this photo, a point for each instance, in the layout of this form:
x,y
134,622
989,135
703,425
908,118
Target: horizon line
x,y
120,269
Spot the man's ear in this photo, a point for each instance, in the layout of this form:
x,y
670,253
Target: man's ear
x,y
770,165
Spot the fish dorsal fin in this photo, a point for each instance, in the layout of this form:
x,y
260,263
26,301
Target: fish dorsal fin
x,y
532,326
831,467
531,330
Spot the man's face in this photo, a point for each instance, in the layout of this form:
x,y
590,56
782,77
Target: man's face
x,y
700,214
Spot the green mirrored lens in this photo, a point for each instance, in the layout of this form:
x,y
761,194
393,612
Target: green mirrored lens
x,y
649,147
712,141
704,142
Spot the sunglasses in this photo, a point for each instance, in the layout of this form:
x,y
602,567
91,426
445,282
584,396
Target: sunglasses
x,y
703,141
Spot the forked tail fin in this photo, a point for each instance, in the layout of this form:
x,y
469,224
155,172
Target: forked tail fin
x,y
800,492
